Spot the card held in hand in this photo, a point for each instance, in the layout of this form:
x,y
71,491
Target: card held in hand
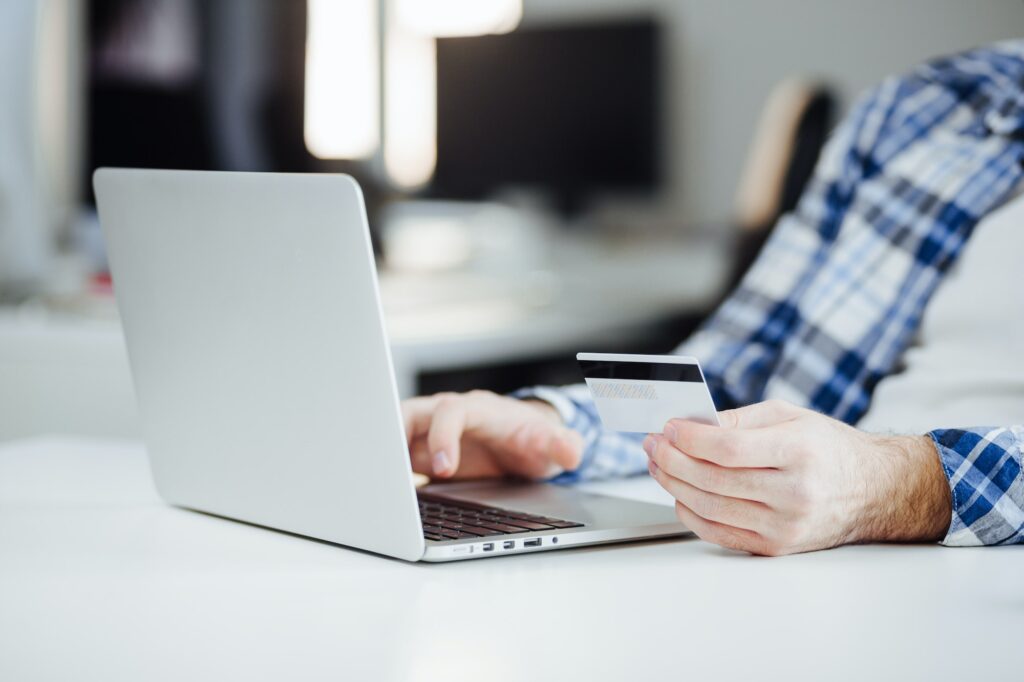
x,y
640,393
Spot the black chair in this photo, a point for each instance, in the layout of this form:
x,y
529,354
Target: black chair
x,y
791,132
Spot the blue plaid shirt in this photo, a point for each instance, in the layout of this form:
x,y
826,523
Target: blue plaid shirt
x,y
839,289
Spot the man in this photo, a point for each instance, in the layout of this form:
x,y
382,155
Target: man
x,y
837,311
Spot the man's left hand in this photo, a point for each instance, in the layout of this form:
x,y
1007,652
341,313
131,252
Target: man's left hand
x,y
778,479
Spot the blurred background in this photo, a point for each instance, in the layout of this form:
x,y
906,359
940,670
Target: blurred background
x,y
542,176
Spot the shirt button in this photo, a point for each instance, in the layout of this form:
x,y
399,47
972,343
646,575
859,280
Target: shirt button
x,y
1004,124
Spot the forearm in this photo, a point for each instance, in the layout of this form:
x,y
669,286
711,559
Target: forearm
x,y
962,487
908,500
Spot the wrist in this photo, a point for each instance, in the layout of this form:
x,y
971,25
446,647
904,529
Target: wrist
x,y
909,498
549,411
551,414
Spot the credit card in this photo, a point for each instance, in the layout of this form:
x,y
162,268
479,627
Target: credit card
x,y
640,393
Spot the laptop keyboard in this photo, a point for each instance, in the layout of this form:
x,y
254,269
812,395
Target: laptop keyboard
x,y
445,519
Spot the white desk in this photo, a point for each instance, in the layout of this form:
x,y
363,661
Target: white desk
x,y
100,581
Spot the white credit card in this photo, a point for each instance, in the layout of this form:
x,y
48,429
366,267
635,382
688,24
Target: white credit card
x,y
640,393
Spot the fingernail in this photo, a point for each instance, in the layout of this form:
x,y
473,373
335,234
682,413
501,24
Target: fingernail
x,y
670,432
649,445
441,462
652,467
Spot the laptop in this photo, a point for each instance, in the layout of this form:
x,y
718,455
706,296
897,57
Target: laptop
x,y
261,364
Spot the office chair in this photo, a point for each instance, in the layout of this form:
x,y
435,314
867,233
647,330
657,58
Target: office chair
x,y
790,133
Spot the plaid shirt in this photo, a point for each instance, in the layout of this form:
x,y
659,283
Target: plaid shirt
x,y
839,289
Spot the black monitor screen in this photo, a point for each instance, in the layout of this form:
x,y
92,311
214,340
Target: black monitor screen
x,y
569,110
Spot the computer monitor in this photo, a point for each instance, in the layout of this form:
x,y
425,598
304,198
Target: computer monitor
x,y
196,86
573,111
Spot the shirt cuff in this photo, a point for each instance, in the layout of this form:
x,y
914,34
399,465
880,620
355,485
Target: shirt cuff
x,y
983,465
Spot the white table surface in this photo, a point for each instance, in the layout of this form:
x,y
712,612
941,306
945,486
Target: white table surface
x,y
101,581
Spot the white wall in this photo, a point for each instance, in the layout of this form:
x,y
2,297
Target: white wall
x,y
725,55
40,62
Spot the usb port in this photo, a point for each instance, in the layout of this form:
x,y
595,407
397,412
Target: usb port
x,y
532,543
508,544
488,546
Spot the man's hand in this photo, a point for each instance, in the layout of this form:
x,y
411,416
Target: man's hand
x,y
480,434
777,479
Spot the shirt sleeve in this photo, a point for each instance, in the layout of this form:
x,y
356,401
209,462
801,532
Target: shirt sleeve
x,y
984,468
739,344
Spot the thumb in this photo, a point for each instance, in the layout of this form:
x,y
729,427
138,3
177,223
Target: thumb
x,y
755,416
566,449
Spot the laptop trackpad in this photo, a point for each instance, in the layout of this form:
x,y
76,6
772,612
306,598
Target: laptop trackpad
x,y
558,501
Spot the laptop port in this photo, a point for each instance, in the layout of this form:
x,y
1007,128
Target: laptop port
x,y
509,544
488,546
532,543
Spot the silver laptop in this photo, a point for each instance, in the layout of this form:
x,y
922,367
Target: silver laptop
x,y
261,364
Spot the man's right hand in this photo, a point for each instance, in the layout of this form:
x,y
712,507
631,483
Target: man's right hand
x,y
481,434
